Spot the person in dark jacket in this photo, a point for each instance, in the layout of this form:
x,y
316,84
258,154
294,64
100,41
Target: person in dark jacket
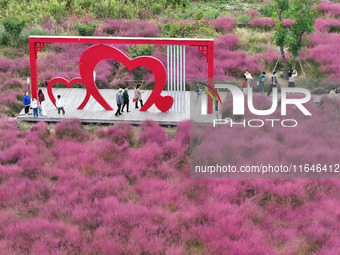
x,y
273,83
119,100
126,100
27,102
41,96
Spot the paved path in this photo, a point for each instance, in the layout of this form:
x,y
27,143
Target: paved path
x,y
93,112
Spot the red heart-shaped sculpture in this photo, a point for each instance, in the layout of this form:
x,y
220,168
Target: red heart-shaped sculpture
x,y
66,83
164,103
93,55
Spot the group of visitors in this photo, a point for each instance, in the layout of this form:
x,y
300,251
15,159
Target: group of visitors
x,y
35,104
248,81
122,98
334,93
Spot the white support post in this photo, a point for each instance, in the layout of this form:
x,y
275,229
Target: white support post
x,y
176,76
184,78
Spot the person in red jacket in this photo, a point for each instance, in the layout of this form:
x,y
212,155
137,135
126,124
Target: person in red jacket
x,y
41,96
245,85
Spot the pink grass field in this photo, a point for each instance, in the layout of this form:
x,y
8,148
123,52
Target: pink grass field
x,y
122,189
127,190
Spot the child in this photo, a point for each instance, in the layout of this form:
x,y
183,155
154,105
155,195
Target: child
x,y
60,104
35,107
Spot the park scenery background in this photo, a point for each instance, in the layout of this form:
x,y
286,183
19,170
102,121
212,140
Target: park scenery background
x,y
69,188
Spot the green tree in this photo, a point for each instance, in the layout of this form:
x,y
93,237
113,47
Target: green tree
x,y
294,37
13,27
305,12
280,33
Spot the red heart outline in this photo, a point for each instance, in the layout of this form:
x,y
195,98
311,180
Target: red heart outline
x,y
68,84
93,55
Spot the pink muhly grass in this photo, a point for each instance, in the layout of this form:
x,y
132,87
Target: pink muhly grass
x,y
262,22
6,65
71,129
330,8
152,132
324,25
271,56
325,52
253,13
224,24
227,42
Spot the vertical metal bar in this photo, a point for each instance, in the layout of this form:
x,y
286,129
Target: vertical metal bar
x,y
175,81
167,65
171,72
210,58
184,106
180,78
177,88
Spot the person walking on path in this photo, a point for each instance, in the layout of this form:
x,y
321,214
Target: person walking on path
x,y
249,77
273,83
261,81
119,100
60,104
126,100
41,96
291,78
245,84
27,102
35,107
138,96
198,91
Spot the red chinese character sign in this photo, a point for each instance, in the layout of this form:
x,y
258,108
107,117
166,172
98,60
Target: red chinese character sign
x,y
94,54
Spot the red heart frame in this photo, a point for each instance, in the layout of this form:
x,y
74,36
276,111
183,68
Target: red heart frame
x,y
63,81
93,55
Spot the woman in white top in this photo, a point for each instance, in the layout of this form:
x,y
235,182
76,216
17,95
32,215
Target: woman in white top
x,y
249,78
291,78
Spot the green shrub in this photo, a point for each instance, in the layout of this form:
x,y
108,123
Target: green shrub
x,y
13,27
4,39
141,50
56,9
85,29
192,29
23,126
156,8
23,38
266,10
211,13
243,21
